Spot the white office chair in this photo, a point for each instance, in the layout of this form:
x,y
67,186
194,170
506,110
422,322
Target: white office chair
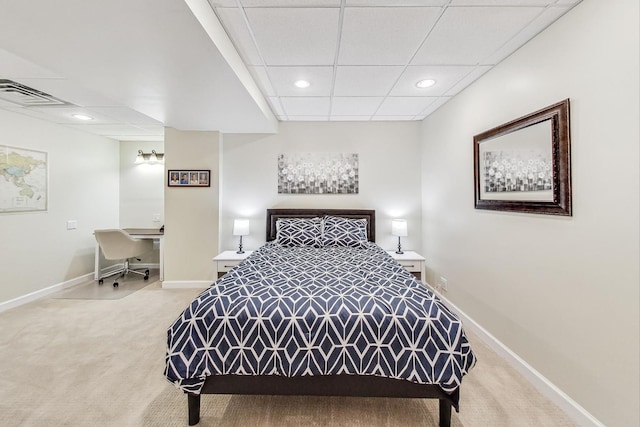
x,y
118,245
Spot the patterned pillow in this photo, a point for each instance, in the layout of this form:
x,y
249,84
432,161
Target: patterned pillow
x,y
299,231
339,231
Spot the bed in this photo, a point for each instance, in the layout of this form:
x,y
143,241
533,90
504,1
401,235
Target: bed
x,y
319,310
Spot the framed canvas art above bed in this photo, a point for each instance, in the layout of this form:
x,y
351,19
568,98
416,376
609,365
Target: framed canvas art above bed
x,y
318,173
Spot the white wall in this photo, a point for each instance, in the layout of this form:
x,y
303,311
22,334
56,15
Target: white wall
x,y
36,249
141,191
191,214
389,176
141,186
560,292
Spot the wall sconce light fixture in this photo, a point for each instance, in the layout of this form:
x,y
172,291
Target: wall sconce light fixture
x,y
151,157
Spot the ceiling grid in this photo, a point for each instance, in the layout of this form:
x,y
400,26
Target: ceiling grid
x,y
383,48
207,64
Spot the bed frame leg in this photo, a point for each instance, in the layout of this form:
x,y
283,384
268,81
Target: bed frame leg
x,y
445,413
193,401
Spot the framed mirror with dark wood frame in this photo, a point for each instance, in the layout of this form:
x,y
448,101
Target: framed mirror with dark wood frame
x,y
525,165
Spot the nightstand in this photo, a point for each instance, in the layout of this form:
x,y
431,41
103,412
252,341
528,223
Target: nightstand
x,y
412,261
226,260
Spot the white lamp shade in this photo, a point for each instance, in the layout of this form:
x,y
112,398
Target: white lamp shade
x,y
241,227
139,157
399,227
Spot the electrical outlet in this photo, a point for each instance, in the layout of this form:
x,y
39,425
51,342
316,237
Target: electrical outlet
x,y
444,283
156,217
72,224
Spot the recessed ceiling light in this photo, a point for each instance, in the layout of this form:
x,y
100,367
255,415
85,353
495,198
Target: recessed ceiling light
x,y
82,117
422,84
302,84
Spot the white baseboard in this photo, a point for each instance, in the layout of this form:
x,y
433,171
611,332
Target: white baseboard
x,y
186,284
577,413
41,293
6,305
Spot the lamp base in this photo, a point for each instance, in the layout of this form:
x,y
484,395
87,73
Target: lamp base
x,y
399,251
240,251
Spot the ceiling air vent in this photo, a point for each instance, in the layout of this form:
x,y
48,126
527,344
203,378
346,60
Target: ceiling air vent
x,y
25,96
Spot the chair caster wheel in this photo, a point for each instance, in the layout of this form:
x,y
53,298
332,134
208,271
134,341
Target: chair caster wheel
x,y
100,282
115,284
146,277
146,273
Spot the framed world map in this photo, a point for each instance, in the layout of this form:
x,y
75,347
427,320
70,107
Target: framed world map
x,y
23,180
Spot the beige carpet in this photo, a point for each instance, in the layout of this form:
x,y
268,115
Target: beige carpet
x,y
92,290
70,362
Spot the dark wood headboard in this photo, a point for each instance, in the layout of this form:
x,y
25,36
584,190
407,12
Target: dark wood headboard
x,y
274,214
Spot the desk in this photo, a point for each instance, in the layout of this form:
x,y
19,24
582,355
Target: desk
x,y
137,233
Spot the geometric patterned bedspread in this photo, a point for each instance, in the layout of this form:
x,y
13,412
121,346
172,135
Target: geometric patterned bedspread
x,y
296,311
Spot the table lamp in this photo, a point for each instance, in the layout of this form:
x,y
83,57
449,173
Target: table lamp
x,y
399,228
240,228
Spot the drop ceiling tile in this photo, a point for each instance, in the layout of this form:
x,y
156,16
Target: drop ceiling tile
x,y
378,118
501,2
277,106
355,106
365,81
14,67
349,118
404,105
64,115
123,114
116,131
136,138
291,3
445,77
433,107
542,21
289,36
308,118
467,35
69,91
8,105
320,79
368,3
384,35
28,112
305,106
223,3
468,79
276,3
152,130
101,125
236,27
262,79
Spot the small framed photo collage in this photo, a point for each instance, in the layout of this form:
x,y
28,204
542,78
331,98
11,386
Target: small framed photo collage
x,y
189,178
